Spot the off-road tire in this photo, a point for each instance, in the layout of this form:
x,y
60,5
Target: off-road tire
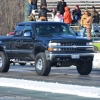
x,y
95,49
42,66
85,68
4,62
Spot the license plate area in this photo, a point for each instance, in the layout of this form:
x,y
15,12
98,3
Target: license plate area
x,y
75,56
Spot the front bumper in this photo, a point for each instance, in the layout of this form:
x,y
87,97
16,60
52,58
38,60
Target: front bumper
x,y
72,56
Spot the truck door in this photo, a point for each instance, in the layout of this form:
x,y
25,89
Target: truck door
x,y
27,43
16,40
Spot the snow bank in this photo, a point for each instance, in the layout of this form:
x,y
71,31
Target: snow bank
x,y
96,61
85,91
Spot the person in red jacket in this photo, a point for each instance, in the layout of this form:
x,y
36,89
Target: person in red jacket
x,y
67,16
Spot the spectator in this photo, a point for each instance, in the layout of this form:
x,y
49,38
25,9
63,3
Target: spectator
x,y
43,13
67,16
43,3
76,13
60,6
31,6
58,17
53,13
32,17
86,21
95,16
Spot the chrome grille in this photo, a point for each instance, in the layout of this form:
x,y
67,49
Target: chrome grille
x,y
73,44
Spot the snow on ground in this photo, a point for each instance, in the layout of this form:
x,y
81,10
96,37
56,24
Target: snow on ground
x,y
96,61
84,91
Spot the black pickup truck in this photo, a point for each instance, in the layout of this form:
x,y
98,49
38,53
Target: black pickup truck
x,y
48,44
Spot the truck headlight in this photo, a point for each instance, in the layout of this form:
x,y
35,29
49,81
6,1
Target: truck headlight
x,y
89,43
90,49
57,49
54,49
54,44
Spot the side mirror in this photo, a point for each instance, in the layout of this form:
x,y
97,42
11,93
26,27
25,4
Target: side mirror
x,y
27,34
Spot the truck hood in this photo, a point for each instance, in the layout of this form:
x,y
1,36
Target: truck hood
x,y
64,38
4,38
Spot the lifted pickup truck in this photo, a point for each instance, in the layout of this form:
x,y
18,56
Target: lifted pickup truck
x,y
49,44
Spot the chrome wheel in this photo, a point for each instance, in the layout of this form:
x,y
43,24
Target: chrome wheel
x,y
0,62
39,64
42,66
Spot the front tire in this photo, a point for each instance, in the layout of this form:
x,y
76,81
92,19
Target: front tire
x,y
84,68
42,66
4,62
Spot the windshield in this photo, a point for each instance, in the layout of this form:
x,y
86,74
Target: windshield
x,y
50,29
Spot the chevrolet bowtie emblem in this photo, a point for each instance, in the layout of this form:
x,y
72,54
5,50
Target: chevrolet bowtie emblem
x,y
74,46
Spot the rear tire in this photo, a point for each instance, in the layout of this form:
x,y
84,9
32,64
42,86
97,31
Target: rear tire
x,y
85,68
42,66
95,49
4,62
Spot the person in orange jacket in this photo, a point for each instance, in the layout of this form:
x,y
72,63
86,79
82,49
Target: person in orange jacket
x,y
67,16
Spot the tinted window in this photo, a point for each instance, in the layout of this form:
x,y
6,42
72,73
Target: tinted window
x,y
47,29
20,27
28,28
18,30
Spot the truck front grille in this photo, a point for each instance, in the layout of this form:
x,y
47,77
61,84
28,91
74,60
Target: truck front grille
x,y
73,44
73,49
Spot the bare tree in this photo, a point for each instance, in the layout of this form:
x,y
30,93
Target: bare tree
x,y
12,12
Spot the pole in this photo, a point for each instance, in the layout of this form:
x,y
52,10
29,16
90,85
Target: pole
x,y
85,4
25,10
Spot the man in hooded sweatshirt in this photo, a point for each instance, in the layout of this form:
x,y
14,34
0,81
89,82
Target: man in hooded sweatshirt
x,y
67,16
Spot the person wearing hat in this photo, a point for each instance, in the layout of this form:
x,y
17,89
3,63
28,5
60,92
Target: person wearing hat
x,y
95,16
86,21
76,13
